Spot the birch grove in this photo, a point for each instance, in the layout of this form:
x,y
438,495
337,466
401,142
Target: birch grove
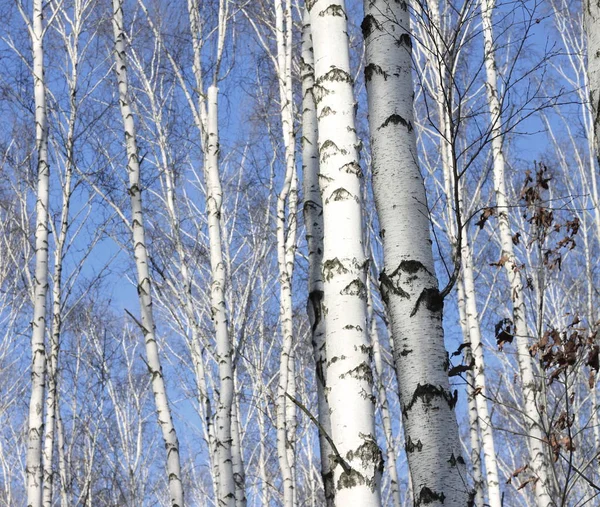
x,y
358,239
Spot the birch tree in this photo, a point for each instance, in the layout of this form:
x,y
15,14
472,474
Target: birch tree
x,y
408,282
591,18
286,249
34,469
544,482
349,376
141,260
313,222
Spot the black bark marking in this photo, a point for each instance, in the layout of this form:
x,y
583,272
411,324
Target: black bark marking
x,y
454,460
332,267
355,288
339,194
373,69
336,74
388,284
352,168
427,496
427,393
315,300
333,10
411,446
433,300
404,40
412,267
326,111
396,119
361,372
369,24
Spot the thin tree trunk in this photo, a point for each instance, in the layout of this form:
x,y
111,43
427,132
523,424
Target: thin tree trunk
x,y
35,432
472,404
349,377
286,249
544,490
143,273
57,295
386,419
207,123
313,221
214,202
591,15
408,283
479,382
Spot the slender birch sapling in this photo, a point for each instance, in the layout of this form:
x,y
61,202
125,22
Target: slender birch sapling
x,y
140,252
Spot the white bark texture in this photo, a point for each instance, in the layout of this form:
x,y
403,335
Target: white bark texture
x,y
141,260
38,351
349,375
208,124
408,282
478,495
286,250
313,221
539,463
592,27
386,419
57,282
479,382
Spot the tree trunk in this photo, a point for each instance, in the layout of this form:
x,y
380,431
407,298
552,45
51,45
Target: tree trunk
x,y
479,381
286,249
313,222
478,496
544,490
408,282
591,15
38,350
349,377
143,273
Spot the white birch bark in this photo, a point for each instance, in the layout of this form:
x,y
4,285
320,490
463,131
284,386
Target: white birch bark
x,y
34,475
408,282
313,222
479,381
286,249
349,376
72,44
478,497
207,123
544,491
386,419
591,17
143,273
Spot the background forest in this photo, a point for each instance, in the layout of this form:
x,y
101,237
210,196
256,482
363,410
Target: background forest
x,y
229,230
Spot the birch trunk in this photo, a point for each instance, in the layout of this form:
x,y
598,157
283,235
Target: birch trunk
x,y
386,419
349,376
408,282
591,16
40,287
472,404
57,293
544,490
207,122
214,200
286,249
141,260
479,382
313,221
